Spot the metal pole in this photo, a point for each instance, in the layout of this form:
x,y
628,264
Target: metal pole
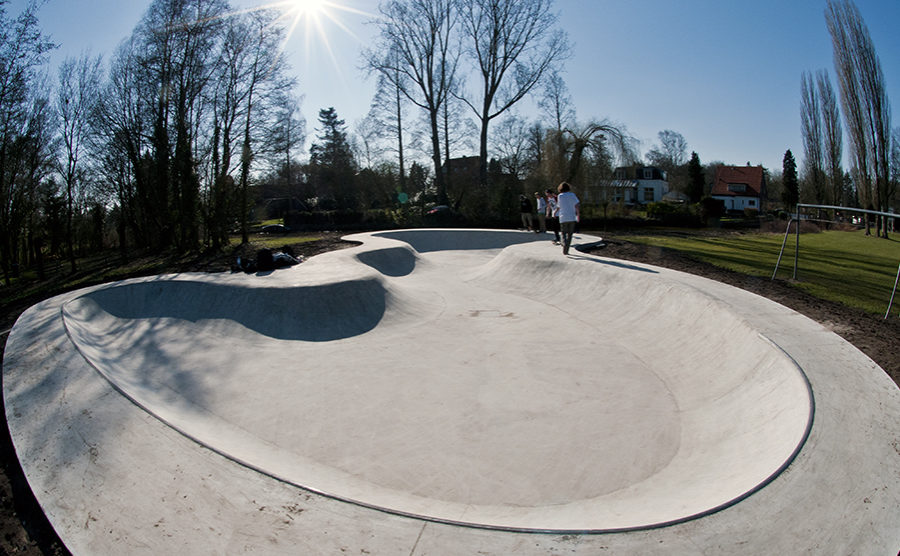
x,y
897,279
851,209
797,247
783,243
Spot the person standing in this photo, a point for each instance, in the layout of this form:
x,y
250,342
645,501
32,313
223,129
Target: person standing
x,y
569,210
552,219
525,210
541,213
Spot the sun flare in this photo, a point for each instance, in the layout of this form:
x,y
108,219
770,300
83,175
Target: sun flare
x,y
314,22
307,7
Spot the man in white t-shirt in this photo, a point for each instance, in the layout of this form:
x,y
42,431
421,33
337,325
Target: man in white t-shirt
x,y
569,211
541,213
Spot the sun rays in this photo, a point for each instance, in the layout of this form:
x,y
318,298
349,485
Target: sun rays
x,y
312,19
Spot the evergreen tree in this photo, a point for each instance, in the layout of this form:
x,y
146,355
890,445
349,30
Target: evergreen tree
x,y
790,195
695,174
332,168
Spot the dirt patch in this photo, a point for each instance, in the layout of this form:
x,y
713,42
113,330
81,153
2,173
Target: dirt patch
x,y
25,530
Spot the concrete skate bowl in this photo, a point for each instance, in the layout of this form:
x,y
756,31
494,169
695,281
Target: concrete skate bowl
x,y
409,379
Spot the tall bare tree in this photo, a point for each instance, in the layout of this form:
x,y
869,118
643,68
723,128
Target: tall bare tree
x,y
511,145
265,82
177,48
556,103
832,137
670,156
895,160
513,43
813,139
286,135
77,94
388,115
120,134
23,49
867,114
420,32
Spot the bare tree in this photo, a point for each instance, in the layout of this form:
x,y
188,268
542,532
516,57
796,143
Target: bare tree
x,y
557,106
79,89
832,137
387,113
176,50
286,134
264,81
514,43
511,145
867,114
120,137
366,141
556,102
670,156
895,161
23,50
420,33
813,140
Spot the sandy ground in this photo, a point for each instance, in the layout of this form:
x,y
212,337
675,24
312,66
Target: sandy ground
x,y
24,530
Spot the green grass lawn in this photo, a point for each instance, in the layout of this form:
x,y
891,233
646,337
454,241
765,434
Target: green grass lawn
x,y
846,267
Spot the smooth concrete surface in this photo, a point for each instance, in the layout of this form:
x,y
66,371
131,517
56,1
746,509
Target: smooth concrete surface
x,y
450,392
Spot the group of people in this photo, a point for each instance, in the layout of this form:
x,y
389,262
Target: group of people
x,y
558,210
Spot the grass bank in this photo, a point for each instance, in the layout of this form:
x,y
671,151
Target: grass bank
x,y
843,266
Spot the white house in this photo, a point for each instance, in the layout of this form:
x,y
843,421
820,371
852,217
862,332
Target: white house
x,y
634,185
740,187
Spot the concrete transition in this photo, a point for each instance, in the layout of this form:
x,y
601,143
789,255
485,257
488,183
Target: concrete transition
x,y
450,391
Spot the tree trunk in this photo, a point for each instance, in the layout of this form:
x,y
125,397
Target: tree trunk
x,y
483,153
439,182
70,249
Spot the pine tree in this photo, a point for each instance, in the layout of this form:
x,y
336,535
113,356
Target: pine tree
x,y
332,168
695,173
791,193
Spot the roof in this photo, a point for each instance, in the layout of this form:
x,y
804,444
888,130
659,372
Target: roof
x,y
616,184
749,176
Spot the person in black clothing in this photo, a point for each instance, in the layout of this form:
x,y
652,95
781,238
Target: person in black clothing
x,y
525,210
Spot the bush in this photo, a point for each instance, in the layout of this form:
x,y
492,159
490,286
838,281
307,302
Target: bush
x,y
711,208
674,215
658,210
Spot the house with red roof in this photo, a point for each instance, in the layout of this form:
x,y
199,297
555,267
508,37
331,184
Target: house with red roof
x,y
740,187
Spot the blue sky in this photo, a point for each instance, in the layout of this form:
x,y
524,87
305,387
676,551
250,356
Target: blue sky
x,y
724,74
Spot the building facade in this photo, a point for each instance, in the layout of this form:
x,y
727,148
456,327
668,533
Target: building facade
x,y
740,187
633,185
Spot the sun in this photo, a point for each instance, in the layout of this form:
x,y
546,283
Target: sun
x,y
314,22
302,8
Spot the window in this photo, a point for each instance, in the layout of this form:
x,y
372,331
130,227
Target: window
x,y
648,173
620,173
751,202
648,195
737,187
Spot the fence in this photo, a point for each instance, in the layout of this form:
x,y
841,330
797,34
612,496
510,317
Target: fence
x,y
797,218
